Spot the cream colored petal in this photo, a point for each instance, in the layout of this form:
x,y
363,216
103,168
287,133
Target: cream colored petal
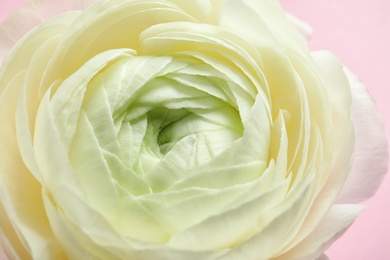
x,y
301,26
275,19
332,181
334,224
32,14
25,225
278,223
24,51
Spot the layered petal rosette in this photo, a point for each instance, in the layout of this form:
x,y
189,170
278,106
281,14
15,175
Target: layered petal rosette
x,y
177,130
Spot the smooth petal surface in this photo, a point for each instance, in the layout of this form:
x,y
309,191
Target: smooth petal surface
x,y
301,26
333,225
25,226
34,13
338,92
371,154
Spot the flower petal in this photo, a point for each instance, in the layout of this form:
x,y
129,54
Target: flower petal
x,y
371,155
32,14
305,29
337,90
335,222
323,257
25,225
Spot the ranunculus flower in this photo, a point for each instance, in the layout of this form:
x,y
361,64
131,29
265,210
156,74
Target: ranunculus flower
x,y
177,129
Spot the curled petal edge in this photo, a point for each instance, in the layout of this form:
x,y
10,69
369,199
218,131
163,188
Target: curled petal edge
x,y
32,14
304,28
371,155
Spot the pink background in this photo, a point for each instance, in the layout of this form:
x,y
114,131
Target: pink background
x,y
358,32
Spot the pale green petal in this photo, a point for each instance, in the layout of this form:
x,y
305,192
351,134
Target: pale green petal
x,y
221,178
66,102
229,228
190,211
65,194
120,208
251,147
173,166
279,222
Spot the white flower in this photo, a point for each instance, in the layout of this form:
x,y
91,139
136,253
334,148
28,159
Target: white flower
x,y
177,130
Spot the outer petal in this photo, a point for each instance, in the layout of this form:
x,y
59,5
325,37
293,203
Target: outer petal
x,y
371,149
323,257
334,224
301,26
34,13
280,26
338,92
